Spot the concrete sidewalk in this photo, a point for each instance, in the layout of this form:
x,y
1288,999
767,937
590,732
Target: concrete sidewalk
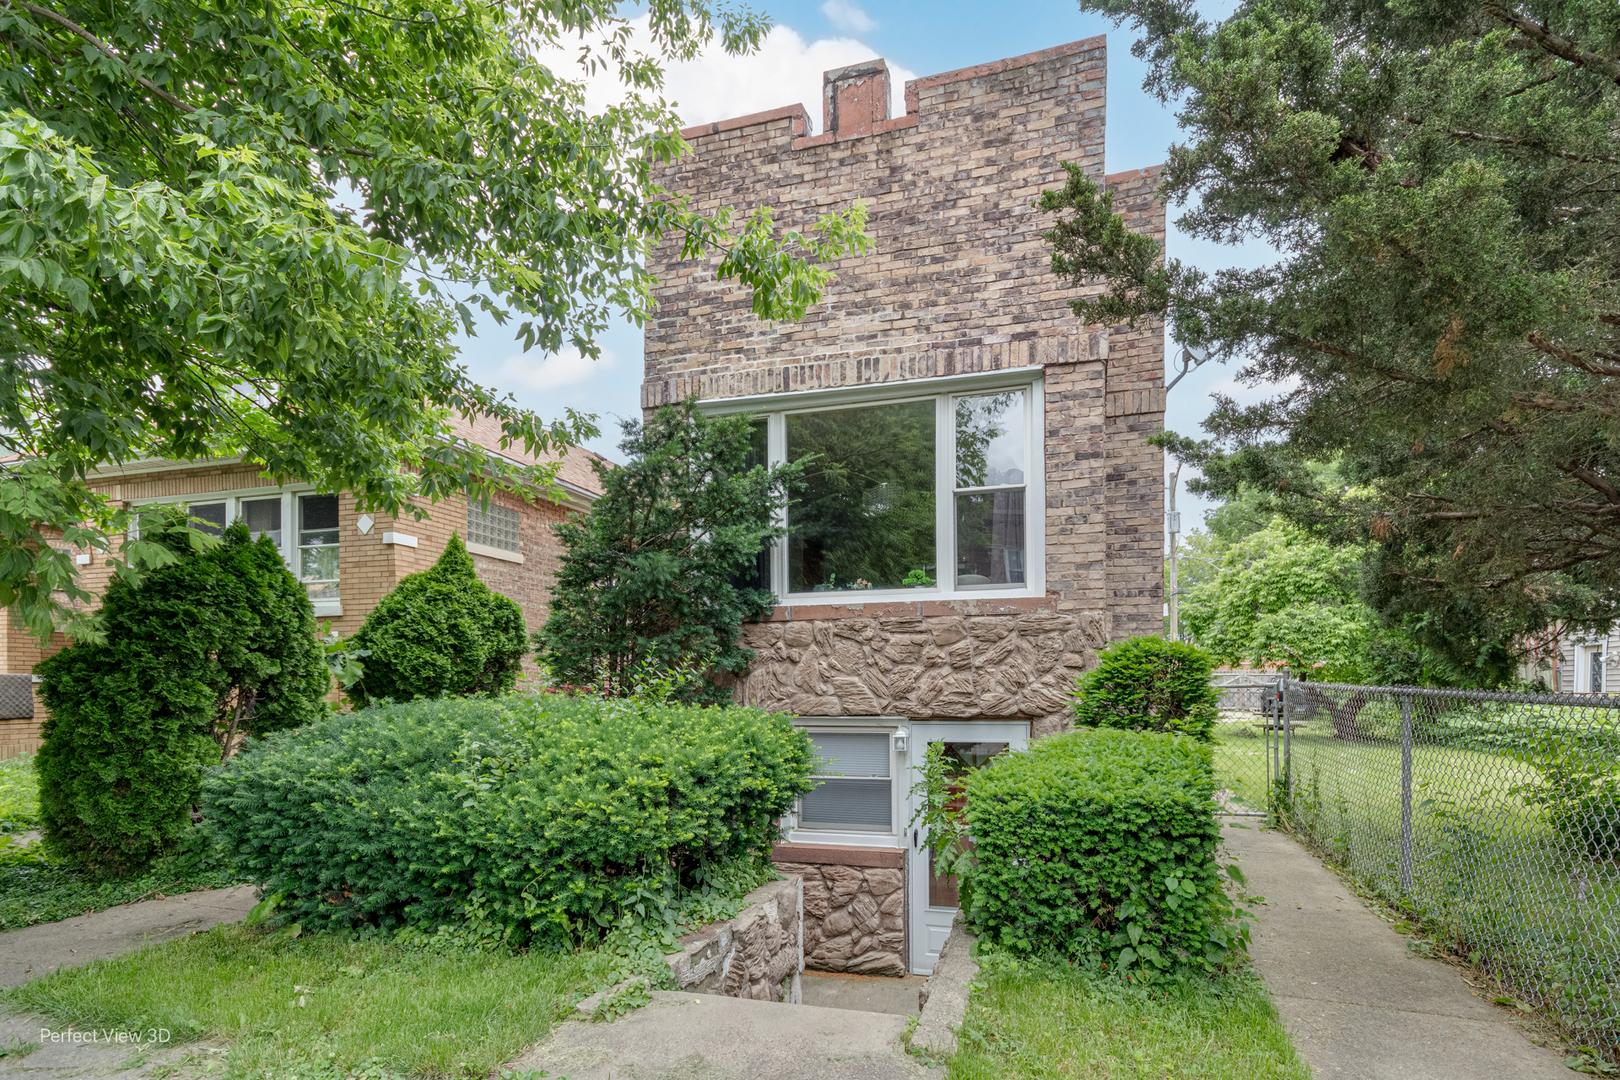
x,y
38,950
1357,1005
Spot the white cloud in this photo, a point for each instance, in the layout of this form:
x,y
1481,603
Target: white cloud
x,y
847,17
543,372
717,86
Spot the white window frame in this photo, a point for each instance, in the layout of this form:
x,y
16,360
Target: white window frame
x,y
324,609
775,408
794,833
1583,665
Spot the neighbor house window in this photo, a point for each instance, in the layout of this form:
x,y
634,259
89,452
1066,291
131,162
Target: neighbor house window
x,y
263,518
493,526
208,517
935,493
854,790
318,545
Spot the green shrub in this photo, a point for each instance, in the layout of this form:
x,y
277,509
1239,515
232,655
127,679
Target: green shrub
x,y
440,632
1150,684
1580,790
542,816
213,646
1101,842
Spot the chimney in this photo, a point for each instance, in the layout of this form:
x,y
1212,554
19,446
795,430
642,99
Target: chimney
x,y
854,99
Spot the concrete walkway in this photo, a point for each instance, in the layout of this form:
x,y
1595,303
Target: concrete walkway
x,y
38,950
1357,1005
697,1037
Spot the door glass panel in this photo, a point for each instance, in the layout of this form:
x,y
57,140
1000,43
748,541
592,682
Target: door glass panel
x,y
263,518
963,758
212,517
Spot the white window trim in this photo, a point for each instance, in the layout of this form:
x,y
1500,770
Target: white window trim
x,y
234,497
494,552
859,725
774,408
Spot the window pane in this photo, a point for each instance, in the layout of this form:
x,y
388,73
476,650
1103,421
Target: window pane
x,y
990,440
318,513
263,518
318,563
841,754
212,515
990,538
849,804
757,573
865,517
496,527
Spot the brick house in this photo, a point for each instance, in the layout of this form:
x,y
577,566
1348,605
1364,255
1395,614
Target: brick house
x,y
985,511
346,559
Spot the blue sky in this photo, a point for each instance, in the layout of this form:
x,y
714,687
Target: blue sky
x,y
916,39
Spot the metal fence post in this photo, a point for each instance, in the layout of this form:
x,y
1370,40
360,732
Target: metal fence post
x,y
1406,794
1287,745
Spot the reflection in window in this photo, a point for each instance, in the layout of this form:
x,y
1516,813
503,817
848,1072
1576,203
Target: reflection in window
x,y
208,517
991,446
757,574
263,518
318,545
865,517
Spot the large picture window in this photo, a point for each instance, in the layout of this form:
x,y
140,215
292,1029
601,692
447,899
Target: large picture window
x,y
908,497
302,526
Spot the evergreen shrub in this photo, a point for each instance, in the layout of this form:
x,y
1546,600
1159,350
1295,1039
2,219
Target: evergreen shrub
x,y
440,632
1150,684
541,816
1102,842
198,653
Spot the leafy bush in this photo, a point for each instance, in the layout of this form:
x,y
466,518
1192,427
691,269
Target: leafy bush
x,y
1150,684
544,817
218,644
439,632
1102,842
1580,789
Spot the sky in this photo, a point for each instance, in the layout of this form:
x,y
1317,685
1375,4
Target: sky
x,y
915,38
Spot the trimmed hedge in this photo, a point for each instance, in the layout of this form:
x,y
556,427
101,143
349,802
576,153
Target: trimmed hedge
x,y
1150,684
1101,842
542,816
440,632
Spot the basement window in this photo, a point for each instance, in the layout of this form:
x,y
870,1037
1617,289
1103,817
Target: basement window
x,y
854,787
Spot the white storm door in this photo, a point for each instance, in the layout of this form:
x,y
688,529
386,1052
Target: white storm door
x,y
932,901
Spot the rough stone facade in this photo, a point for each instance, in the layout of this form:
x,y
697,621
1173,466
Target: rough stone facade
x,y
758,954
945,664
854,916
957,282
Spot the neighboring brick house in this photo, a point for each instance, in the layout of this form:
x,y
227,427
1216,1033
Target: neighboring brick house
x,y
347,560
985,512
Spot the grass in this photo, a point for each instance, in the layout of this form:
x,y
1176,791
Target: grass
x,y
323,1006
1045,1020
19,795
1240,761
36,889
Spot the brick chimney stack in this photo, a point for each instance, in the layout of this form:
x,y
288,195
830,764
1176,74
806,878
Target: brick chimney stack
x,y
854,99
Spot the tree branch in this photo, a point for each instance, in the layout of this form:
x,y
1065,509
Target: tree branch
x,y
1591,479
75,28
1503,140
1556,44
1569,356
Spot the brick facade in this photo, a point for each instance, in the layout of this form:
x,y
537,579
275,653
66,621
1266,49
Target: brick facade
x,y
368,568
957,281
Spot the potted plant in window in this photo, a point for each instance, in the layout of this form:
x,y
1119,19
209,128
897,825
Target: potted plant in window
x,y
917,579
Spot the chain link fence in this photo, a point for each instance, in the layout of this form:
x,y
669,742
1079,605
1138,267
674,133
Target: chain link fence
x,y
1494,819
1241,747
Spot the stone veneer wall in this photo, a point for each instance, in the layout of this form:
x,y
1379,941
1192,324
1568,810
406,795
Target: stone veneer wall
x,y
854,915
758,954
944,665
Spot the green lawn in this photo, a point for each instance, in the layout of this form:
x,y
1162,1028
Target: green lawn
x,y
321,1005
1240,761
1044,1021
19,795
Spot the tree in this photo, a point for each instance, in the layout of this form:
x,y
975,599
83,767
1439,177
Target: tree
x,y
217,644
440,632
1150,684
250,230
1439,179
657,573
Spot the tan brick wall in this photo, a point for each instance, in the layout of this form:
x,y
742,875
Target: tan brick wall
x,y
957,281
367,568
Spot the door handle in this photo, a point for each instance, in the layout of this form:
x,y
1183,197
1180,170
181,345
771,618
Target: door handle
x,y
914,839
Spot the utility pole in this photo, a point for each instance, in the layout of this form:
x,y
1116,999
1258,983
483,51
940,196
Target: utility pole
x,y
1189,359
